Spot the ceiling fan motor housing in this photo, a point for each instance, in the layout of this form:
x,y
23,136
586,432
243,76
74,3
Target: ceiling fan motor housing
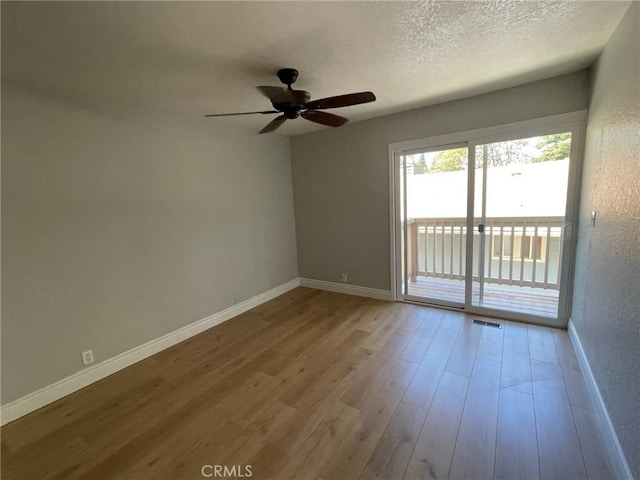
x,y
288,76
291,113
291,101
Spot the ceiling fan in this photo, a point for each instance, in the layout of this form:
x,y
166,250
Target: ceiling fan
x,y
297,103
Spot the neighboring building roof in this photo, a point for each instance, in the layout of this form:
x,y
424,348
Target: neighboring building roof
x,y
518,190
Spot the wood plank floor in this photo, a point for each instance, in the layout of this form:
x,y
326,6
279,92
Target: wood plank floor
x,y
319,385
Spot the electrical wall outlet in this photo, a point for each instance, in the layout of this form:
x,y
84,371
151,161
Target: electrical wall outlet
x,y
344,278
87,357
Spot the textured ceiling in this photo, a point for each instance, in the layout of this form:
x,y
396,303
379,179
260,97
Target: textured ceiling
x,y
192,58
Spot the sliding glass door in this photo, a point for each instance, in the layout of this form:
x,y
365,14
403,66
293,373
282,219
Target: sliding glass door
x,y
519,224
485,225
434,218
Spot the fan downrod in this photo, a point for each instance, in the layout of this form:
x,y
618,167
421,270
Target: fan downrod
x,y
288,76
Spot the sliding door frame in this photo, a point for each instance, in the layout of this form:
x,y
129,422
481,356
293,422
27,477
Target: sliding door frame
x,y
574,122
399,295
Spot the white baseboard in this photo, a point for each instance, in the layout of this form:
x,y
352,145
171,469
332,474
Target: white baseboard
x,y
346,288
614,449
81,379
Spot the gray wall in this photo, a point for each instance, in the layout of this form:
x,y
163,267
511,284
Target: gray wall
x,y
341,176
606,311
119,228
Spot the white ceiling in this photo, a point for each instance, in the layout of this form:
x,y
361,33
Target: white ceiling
x,y
193,58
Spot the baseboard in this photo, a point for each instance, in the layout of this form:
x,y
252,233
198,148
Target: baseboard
x,y
346,288
614,449
81,379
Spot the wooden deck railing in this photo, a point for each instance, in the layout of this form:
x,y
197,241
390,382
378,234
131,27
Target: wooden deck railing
x,y
524,251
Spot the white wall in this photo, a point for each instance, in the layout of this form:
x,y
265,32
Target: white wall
x,y
341,176
119,228
606,306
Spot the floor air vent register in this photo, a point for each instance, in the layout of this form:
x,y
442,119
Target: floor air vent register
x,y
487,324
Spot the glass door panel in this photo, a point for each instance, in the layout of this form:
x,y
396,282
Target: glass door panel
x,y
433,209
519,219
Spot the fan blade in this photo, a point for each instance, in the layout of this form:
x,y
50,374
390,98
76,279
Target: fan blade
x,y
325,118
273,124
284,95
271,92
342,100
244,113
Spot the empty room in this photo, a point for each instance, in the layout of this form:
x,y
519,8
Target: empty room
x,y
324,240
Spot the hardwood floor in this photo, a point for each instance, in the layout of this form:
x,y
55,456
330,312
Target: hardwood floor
x,y
319,385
